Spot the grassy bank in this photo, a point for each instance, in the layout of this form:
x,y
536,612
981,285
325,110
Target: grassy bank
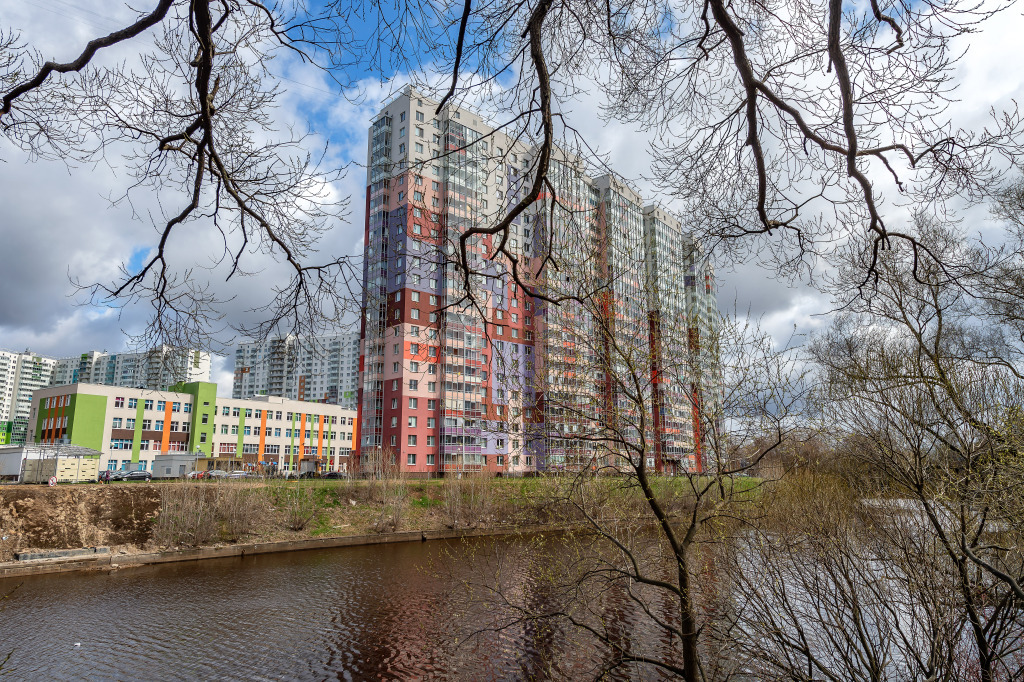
x,y
136,517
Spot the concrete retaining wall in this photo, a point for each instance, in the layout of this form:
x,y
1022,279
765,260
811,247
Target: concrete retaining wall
x,y
108,561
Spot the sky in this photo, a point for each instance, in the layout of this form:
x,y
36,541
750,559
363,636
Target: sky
x,y
58,224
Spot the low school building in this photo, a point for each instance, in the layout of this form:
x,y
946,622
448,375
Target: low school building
x,y
131,427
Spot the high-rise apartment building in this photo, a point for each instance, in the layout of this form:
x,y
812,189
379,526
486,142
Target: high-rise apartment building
x,y
155,369
20,375
471,374
323,369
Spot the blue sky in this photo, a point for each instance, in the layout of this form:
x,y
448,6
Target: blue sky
x,y
57,225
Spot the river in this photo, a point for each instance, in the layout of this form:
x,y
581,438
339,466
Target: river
x,y
398,611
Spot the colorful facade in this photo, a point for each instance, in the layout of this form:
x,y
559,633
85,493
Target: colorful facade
x,y
473,375
130,427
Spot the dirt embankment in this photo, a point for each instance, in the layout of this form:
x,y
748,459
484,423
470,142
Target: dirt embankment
x,y
136,517
65,517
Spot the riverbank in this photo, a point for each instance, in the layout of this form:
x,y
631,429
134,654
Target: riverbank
x,y
114,561
182,521
138,523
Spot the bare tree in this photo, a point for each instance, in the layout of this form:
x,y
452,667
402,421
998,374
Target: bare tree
x,y
925,377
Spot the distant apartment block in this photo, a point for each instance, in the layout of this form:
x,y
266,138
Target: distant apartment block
x,y
156,369
508,383
323,369
20,375
131,426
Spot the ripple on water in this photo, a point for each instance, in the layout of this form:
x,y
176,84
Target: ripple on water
x,y
356,613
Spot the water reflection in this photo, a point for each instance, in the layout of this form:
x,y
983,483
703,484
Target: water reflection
x,y
384,612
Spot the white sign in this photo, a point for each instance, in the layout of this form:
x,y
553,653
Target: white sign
x,y
53,481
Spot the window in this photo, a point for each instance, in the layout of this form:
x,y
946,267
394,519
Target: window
x,y
432,386
144,445
202,437
206,418
174,426
414,403
175,407
120,444
430,458
188,408
118,402
394,366
401,118
225,411
394,422
419,117
414,366
277,433
133,403
148,404
412,440
431,441
224,429
248,412
419,149
431,423
411,458
116,423
234,429
415,297
394,440
412,422
129,423
431,404
159,425
413,384
247,431
501,460
401,131
235,411
161,405
414,313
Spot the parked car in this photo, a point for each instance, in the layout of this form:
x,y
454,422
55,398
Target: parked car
x,y
333,474
118,474
137,476
309,474
240,474
215,473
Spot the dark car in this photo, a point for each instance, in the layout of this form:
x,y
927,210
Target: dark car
x,y
333,474
137,476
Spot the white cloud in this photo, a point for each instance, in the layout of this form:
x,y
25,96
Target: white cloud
x,y
57,222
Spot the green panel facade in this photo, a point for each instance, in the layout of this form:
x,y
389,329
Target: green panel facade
x,y
87,418
241,431
204,402
140,414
